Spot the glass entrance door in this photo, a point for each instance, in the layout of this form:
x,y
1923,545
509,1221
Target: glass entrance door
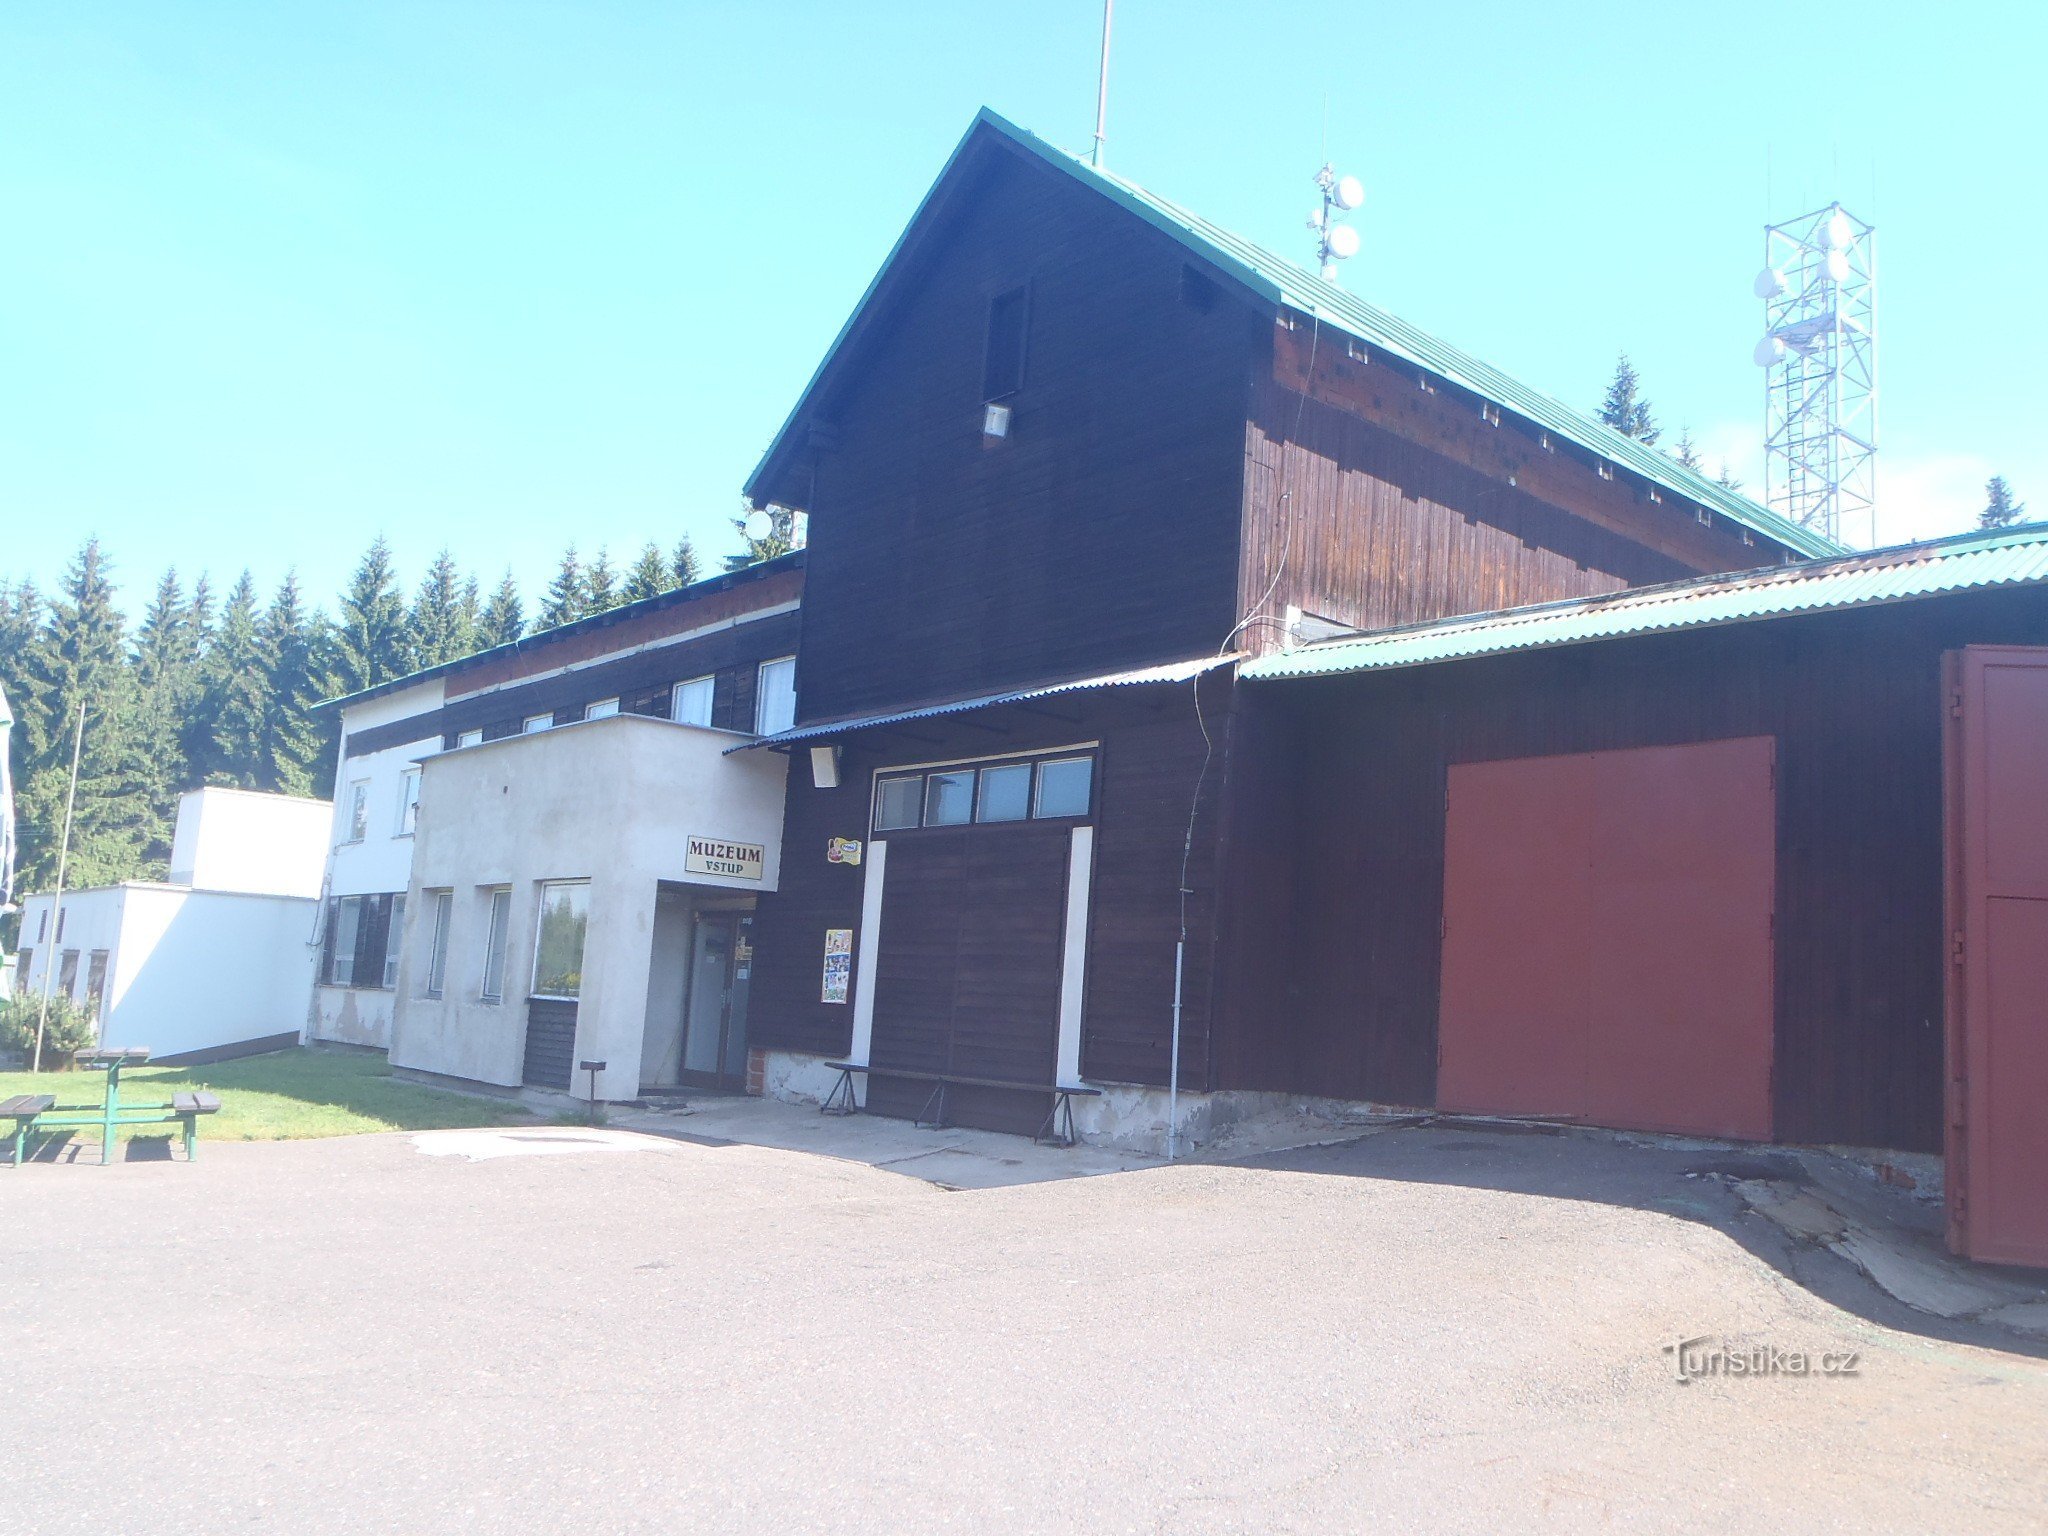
x,y
715,1017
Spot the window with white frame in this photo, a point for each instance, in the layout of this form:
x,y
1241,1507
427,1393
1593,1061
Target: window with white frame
x,y
442,905
358,826
957,795
473,738
409,802
533,725
497,937
775,698
558,939
393,935
602,709
691,703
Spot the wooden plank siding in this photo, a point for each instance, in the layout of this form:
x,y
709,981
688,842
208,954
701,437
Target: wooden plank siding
x,y
641,679
1854,701
1377,502
1150,759
1102,535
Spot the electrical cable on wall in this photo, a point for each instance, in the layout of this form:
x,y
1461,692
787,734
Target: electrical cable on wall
x,y
1255,616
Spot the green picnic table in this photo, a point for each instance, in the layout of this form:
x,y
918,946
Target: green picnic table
x,y
33,1113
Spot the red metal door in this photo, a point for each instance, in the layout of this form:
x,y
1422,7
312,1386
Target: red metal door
x,y
1997,1176
1607,938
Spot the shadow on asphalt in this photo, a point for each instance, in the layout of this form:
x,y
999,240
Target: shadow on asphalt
x,y
1695,1184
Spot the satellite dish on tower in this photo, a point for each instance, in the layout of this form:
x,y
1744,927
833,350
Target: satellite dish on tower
x,y
1838,265
1769,283
1350,193
759,525
1768,352
1343,242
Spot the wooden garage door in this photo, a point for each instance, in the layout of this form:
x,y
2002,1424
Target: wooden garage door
x,y
967,972
1607,938
1997,1171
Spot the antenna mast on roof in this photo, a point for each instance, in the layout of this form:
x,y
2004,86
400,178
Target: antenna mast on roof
x,y
1102,87
1335,240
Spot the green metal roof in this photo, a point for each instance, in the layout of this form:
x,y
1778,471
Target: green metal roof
x,y
1282,282
1967,562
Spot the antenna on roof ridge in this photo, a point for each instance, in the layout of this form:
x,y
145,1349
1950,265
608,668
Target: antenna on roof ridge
x,y
1335,240
1102,88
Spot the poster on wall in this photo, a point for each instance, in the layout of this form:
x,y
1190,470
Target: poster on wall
x,y
838,963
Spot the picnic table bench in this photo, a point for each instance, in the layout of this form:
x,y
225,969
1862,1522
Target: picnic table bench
x,y
1058,1130
34,1113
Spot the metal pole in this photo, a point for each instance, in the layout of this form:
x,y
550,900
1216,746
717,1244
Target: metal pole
x,y
1102,87
1173,1065
57,901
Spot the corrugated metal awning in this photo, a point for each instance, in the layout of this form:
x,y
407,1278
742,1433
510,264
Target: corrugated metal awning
x,y
1170,672
1967,562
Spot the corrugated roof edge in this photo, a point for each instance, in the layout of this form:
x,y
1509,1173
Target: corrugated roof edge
x,y
700,588
1165,672
1282,282
1996,557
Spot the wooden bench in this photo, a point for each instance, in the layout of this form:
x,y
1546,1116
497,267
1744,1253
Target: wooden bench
x,y
1058,1130
33,1113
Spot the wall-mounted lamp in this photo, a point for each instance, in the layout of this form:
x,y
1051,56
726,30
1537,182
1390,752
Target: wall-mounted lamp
x,y
995,422
825,767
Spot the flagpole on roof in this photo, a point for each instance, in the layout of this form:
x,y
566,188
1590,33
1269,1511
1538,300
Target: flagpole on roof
x,y
57,901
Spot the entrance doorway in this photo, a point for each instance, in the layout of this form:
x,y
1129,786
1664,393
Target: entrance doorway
x,y
715,1000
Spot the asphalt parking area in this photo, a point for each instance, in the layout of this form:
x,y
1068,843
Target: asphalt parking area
x,y
1460,1330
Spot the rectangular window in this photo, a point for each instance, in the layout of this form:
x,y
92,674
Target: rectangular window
x,y
443,906
1003,363
61,915
42,925
775,700
96,978
394,937
344,932
1063,787
1005,793
558,941
358,811
534,724
603,709
691,703
949,799
473,738
24,959
409,802
67,972
496,938
898,804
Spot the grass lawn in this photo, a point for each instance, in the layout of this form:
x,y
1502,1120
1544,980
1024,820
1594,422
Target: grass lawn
x,y
284,1096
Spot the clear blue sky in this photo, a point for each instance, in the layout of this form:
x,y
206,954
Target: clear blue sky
x,y
277,276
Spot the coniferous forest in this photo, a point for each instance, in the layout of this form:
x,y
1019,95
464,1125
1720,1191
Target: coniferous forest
x,y
203,686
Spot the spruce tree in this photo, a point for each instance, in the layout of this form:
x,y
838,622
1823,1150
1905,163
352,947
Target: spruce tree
x,y
1625,409
504,616
81,659
442,624
2000,510
565,601
683,564
1726,479
167,690
600,584
237,698
1688,456
291,752
370,636
650,575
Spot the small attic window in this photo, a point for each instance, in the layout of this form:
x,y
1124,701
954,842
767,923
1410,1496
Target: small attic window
x,y
1197,291
1002,369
